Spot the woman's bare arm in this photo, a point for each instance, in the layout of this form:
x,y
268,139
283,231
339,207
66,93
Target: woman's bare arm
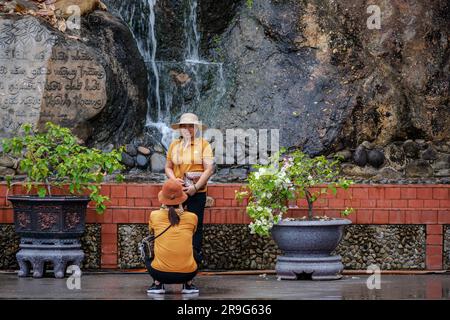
x,y
169,171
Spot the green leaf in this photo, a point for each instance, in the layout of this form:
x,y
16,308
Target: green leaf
x,y
54,158
333,189
42,192
9,181
347,212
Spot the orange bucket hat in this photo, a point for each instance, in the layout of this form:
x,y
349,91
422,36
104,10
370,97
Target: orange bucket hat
x,y
172,193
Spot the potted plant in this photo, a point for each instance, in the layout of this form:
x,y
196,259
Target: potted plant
x,y
308,242
50,225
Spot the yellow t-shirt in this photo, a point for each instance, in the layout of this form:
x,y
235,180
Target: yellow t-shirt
x,y
173,249
189,159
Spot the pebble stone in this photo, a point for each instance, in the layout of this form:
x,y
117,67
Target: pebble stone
x,y
394,247
91,245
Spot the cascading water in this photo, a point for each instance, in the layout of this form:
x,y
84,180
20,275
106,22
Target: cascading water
x,y
192,56
140,17
191,32
178,96
152,61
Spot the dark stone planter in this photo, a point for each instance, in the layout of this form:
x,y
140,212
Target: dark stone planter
x,y
307,248
50,230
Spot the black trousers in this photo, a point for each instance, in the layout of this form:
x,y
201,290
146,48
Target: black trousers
x,y
171,277
196,204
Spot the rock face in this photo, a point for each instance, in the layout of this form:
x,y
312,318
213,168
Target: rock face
x,y
77,80
332,81
329,79
313,70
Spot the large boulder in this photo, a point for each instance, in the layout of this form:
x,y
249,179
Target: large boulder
x,y
81,79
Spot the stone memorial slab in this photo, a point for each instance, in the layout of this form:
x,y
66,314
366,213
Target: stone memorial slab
x,y
44,78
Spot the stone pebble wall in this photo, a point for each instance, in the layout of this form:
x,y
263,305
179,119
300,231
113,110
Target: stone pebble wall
x,y
9,245
226,247
91,244
232,247
446,259
391,247
129,236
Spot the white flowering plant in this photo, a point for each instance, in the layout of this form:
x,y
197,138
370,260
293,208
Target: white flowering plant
x,y
288,176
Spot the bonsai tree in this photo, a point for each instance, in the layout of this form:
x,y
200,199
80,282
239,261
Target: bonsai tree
x,y
288,176
54,158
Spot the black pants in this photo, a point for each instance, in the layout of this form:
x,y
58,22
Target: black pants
x,y
196,204
171,277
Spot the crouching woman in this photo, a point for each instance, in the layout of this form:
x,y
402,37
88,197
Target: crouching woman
x,y
174,261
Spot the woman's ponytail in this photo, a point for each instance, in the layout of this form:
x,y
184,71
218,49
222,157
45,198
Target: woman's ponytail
x,y
174,218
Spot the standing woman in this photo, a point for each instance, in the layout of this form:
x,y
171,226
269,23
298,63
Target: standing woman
x,y
190,160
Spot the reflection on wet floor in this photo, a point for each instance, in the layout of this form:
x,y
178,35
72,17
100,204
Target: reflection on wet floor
x,y
214,287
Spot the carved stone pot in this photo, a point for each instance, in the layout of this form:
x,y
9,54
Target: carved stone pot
x,y
50,230
308,247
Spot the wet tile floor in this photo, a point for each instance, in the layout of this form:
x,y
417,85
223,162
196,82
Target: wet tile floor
x,y
124,286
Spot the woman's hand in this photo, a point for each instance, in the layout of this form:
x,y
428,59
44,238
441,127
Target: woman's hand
x,y
170,174
190,190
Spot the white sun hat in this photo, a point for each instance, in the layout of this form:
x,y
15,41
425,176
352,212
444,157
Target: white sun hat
x,y
188,118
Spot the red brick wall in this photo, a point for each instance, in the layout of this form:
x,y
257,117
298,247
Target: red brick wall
x,y
373,204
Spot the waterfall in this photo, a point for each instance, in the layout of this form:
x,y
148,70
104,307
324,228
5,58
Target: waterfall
x,y
192,57
160,124
153,63
191,33
140,17
166,97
